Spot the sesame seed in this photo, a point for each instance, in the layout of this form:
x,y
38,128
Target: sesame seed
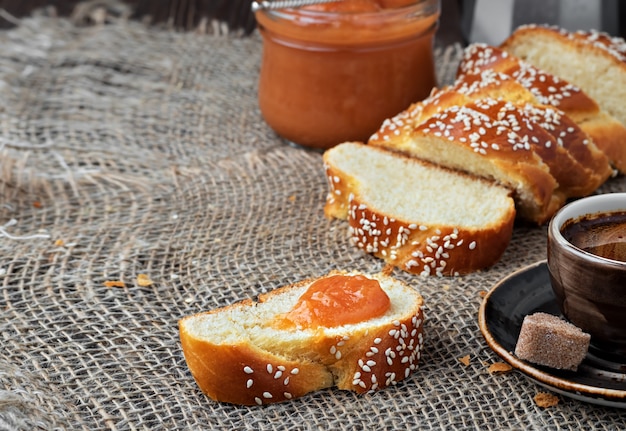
x,y
248,370
267,395
249,383
258,400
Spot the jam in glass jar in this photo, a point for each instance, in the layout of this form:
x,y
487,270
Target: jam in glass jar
x,y
334,72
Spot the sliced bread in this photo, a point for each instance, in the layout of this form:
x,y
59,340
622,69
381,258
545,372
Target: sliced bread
x,y
605,132
468,138
239,354
417,216
594,61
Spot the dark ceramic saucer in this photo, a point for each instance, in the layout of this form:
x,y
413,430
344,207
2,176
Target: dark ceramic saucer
x,y
600,379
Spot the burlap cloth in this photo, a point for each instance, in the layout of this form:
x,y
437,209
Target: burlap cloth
x,y
127,150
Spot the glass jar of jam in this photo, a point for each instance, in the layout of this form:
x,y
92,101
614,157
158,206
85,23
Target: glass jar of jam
x,y
334,72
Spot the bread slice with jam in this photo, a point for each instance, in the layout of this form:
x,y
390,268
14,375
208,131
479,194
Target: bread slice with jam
x,y
349,330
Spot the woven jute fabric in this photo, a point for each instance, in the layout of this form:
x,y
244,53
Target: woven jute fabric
x,y
127,151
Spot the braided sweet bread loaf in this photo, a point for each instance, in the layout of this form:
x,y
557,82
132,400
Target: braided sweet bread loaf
x,y
504,121
605,131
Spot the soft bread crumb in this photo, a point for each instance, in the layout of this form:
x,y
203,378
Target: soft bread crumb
x,y
465,360
401,187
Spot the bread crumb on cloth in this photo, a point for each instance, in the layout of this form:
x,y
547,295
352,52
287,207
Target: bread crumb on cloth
x,y
546,399
114,283
143,280
499,367
465,360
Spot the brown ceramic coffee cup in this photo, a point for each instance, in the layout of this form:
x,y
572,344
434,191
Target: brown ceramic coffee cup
x,y
587,264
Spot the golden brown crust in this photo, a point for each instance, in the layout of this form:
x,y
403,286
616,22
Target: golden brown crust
x,y
607,132
574,162
243,374
429,250
364,358
384,357
610,135
545,88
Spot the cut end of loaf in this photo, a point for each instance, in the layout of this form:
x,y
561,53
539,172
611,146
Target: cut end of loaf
x,y
592,61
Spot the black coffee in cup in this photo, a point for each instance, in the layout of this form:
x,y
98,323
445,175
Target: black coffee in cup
x,y
602,234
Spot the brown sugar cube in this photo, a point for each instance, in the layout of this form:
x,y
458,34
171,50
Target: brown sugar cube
x,y
551,341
